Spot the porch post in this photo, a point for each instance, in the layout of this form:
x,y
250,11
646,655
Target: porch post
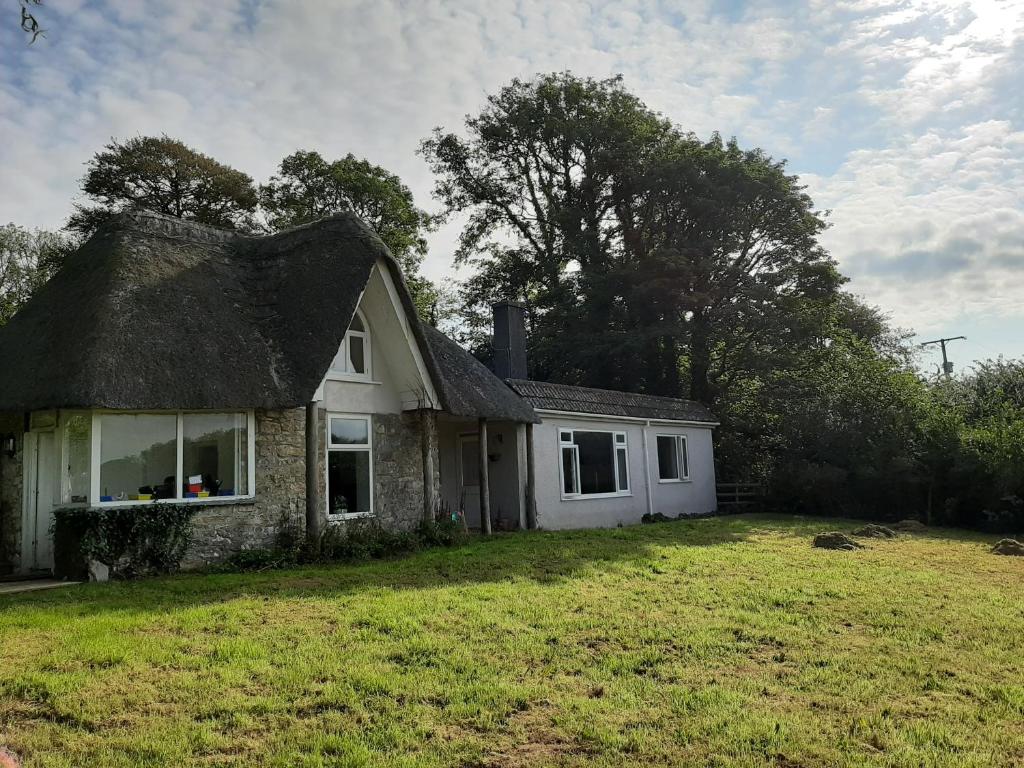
x,y
485,485
428,431
312,473
531,481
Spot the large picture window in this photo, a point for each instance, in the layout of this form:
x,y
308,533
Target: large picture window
x,y
593,463
353,359
673,463
349,466
170,456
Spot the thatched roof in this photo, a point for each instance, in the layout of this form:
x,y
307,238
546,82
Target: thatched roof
x,y
606,402
468,388
157,312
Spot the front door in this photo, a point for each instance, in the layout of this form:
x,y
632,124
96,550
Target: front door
x,y
469,478
42,500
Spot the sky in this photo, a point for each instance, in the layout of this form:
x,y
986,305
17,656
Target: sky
x,y
904,119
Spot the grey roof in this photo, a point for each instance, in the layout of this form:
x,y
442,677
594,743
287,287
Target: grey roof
x,y
468,388
606,402
158,312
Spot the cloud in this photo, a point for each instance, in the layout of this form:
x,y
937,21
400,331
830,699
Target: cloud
x,y
904,116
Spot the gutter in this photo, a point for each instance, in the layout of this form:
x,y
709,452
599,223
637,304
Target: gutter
x,y
647,470
635,419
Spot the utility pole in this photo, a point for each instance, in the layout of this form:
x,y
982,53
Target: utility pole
x,y
947,367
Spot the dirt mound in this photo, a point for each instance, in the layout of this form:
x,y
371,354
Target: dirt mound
x,y
872,531
1008,547
836,540
909,526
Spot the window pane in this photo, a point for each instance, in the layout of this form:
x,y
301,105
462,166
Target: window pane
x,y
565,437
348,481
349,432
623,472
340,362
357,363
621,439
77,430
470,463
215,450
597,462
569,470
138,455
668,464
686,459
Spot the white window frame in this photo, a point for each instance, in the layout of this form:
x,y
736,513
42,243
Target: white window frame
x,y
368,418
682,459
617,445
94,460
347,374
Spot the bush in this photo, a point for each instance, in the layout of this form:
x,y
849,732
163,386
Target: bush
x,y
131,541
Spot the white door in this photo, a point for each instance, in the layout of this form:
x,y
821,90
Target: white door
x,y
469,478
42,500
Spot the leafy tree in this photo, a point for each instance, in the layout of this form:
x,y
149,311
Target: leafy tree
x,y
651,260
164,175
27,260
307,187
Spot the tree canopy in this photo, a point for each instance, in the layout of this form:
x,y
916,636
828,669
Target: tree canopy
x,y
164,175
651,260
307,187
27,260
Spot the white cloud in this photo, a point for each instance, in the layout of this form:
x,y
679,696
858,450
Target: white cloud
x,y
906,116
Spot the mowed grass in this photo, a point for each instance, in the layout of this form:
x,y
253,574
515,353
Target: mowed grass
x,y
724,642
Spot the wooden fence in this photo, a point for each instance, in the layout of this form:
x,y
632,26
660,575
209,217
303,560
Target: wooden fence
x,y
740,497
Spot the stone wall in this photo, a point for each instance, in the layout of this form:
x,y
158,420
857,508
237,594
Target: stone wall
x,y
11,479
218,530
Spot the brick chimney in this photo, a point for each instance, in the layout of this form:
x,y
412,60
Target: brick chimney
x,y
509,340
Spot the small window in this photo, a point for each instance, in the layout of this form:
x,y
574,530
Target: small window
x,y
353,357
77,457
593,463
673,463
349,466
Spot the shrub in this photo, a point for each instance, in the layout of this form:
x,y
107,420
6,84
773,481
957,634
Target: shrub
x,y
131,541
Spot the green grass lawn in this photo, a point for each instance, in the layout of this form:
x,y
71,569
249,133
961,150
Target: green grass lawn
x,y
715,642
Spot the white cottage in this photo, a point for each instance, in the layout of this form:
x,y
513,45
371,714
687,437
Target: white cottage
x,y
287,379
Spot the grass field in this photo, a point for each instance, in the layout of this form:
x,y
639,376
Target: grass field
x,y
716,642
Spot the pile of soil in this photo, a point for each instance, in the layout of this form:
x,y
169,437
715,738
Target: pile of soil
x,y
872,531
910,526
1008,547
836,540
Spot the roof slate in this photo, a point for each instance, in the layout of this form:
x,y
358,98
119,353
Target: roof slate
x,y
605,402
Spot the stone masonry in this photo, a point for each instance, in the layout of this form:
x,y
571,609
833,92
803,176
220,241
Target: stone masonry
x,y
218,530
11,480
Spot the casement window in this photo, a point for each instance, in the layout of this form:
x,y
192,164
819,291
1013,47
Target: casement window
x,y
673,463
353,359
593,463
349,466
139,457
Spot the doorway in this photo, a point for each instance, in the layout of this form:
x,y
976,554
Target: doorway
x,y
41,499
469,478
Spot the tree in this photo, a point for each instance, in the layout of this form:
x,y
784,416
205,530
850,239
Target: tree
x,y
540,176
29,23
164,175
307,187
27,260
651,260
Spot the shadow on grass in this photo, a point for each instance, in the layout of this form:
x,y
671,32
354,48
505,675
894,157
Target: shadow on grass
x,y
539,556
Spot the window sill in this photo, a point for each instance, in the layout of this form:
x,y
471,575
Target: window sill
x,y
347,516
214,501
351,378
675,482
589,496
